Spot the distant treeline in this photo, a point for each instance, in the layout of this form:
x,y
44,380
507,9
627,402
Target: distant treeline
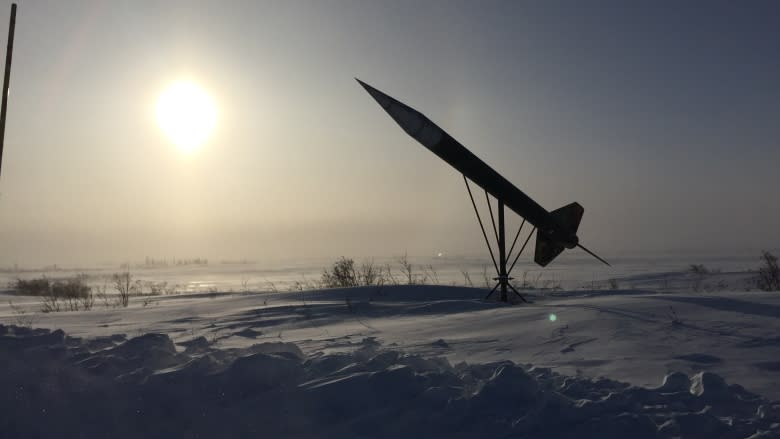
x,y
150,262
237,262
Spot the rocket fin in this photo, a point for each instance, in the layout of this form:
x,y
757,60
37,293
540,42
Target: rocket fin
x,y
569,216
546,249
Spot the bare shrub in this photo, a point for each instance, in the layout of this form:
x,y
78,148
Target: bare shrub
x,y
272,286
71,303
21,316
341,274
310,284
73,287
389,277
529,281
50,303
344,273
699,269
430,275
157,288
124,285
769,273
100,294
467,278
700,272
88,301
407,269
613,284
370,274
33,287
486,278
71,294
552,284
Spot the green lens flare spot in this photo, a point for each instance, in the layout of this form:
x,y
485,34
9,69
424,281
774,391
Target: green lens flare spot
x,y
552,317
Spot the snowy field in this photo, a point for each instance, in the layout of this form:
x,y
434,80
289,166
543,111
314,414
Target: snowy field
x,y
652,358
572,270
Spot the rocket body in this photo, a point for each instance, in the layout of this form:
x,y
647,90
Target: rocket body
x,y
459,157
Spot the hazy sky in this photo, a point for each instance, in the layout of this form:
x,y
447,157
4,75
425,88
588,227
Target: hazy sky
x,y
660,118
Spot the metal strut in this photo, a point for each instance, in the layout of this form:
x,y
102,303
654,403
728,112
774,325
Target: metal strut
x,y
6,79
509,255
487,242
522,248
492,218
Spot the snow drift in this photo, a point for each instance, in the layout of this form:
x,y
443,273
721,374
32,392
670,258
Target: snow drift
x,y
59,386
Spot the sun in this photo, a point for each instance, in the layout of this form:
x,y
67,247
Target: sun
x,y
187,114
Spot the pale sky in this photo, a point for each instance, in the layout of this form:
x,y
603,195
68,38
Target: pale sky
x,y
660,118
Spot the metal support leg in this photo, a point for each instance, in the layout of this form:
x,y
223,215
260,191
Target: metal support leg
x,y
491,292
502,277
479,219
502,281
518,294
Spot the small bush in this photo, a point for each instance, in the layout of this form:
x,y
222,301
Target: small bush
x,y
466,278
370,274
71,294
157,288
341,274
73,288
344,273
407,270
102,295
769,273
22,317
699,269
33,287
430,275
124,285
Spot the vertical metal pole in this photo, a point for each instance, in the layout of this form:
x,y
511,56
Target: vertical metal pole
x,y
502,276
6,78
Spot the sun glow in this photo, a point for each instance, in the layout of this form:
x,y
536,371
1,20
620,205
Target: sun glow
x,y
187,114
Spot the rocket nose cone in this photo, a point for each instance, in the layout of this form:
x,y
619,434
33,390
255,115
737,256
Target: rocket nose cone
x,y
412,121
381,98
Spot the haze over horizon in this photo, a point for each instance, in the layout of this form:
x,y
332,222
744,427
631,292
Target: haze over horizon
x,y
660,118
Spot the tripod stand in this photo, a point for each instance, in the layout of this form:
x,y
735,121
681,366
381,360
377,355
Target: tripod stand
x,y
502,273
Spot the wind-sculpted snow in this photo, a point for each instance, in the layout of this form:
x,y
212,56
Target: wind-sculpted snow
x,y
56,386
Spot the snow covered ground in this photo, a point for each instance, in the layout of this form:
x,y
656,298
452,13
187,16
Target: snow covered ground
x,y
420,361
572,270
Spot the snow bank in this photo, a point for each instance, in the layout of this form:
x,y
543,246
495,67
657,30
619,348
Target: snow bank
x,y
58,386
